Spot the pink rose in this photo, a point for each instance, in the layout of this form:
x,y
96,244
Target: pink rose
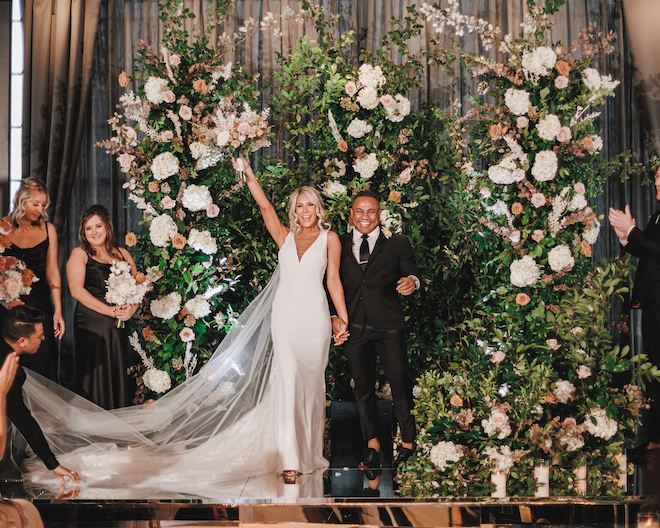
x,y
514,236
387,100
167,203
169,96
577,330
518,174
185,112
538,200
553,344
130,133
187,335
561,82
175,59
350,88
485,192
579,188
538,235
244,128
125,161
583,372
405,176
498,357
212,211
522,122
167,135
564,135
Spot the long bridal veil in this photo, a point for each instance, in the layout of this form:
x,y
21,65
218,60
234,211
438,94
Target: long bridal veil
x,y
215,428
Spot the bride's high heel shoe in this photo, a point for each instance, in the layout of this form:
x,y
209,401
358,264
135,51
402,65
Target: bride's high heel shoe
x,y
290,476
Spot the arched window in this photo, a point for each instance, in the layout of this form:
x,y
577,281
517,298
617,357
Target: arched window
x,y
16,98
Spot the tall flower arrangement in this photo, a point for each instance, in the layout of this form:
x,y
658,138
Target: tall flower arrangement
x,y
174,138
531,379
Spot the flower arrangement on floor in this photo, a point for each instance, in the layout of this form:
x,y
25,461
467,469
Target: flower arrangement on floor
x,y
531,379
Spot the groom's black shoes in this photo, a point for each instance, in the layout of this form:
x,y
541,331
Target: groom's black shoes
x,y
402,456
371,459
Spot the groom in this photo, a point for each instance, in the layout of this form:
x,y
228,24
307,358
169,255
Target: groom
x,y
375,269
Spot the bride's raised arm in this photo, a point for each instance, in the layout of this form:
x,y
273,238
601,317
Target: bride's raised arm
x,y
276,229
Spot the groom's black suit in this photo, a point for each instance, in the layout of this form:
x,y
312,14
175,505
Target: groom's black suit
x,y
376,326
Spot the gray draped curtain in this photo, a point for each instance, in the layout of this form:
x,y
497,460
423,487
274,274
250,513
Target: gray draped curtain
x,y
76,49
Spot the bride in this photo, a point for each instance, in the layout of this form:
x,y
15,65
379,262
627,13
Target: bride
x,y
256,407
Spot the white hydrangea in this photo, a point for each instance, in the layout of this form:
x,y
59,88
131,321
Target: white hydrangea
x,y
155,89
443,453
564,391
497,424
545,166
591,79
578,202
548,127
166,306
517,101
333,188
196,198
202,241
365,166
368,98
539,62
371,76
358,128
164,165
501,458
198,306
162,229
524,272
499,174
157,380
399,110
591,233
600,425
560,258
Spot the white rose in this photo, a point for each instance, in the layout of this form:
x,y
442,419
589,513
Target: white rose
x,y
164,165
366,166
524,272
161,229
591,234
186,335
577,203
548,127
166,306
583,372
399,110
405,176
156,89
517,101
212,211
333,188
196,198
545,166
368,98
358,128
560,258
350,88
125,162
591,79
198,306
564,391
167,203
497,424
522,122
605,427
561,82
597,143
564,135
443,453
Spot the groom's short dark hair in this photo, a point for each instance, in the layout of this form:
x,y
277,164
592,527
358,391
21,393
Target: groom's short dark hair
x,y
21,322
366,193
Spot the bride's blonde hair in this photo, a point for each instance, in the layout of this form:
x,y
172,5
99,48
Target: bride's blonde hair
x,y
314,197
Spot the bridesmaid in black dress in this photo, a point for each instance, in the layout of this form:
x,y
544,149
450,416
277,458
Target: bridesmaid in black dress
x,y
101,348
33,240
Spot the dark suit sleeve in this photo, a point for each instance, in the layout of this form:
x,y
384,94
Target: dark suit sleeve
x,y
407,264
642,245
20,416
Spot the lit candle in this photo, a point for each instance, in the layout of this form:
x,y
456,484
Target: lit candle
x,y
499,479
648,519
581,479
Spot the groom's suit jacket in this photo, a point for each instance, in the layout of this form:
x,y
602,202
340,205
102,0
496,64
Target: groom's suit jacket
x,y
646,245
371,296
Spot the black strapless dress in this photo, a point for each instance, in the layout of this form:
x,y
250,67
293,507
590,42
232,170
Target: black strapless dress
x,y
101,347
45,361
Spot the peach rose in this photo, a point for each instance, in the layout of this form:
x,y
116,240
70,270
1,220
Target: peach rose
x,y
179,241
554,308
395,196
517,208
153,186
148,334
27,276
140,277
585,248
342,146
456,401
199,85
522,299
496,130
562,67
130,239
123,79
553,344
550,398
498,357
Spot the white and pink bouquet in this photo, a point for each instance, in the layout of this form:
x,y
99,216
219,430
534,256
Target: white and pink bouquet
x,y
125,288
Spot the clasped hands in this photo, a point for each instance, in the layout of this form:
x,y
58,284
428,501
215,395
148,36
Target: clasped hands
x,y
339,330
124,312
621,221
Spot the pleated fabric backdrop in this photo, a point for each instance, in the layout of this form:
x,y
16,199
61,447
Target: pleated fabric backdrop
x,y
121,23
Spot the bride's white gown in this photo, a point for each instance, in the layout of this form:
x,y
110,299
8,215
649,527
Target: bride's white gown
x,y
256,407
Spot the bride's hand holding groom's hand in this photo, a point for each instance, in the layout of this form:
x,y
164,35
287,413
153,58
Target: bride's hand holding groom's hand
x,y
339,330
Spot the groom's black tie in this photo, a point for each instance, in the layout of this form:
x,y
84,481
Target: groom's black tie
x,y
364,250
